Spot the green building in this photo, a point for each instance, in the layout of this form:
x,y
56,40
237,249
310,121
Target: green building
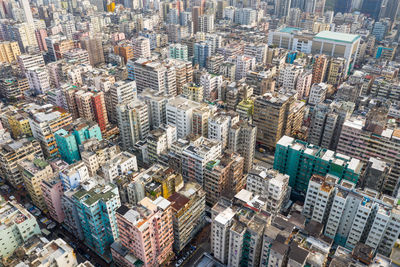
x,y
301,160
69,138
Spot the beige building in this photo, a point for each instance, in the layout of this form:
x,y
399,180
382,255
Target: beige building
x,y
276,115
9,51
34,171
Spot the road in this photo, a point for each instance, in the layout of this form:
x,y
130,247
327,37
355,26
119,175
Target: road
x,y
202,243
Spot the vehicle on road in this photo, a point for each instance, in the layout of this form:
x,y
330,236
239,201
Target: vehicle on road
x,y
51,226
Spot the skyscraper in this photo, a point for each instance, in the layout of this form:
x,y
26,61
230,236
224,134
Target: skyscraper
x,y
372,8
27,11
94,47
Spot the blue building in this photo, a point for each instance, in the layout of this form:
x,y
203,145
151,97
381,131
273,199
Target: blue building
x,y
201,53
69,138
96,206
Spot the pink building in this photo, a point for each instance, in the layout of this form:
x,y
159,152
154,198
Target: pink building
x,y
52,194
146,231
41,34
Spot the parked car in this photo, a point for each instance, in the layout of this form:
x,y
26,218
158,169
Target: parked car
x,y
12,197
43,220
51,226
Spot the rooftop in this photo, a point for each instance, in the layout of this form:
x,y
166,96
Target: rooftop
x,y
337,36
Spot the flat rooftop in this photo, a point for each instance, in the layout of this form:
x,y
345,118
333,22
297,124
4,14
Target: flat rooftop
x,y
337,36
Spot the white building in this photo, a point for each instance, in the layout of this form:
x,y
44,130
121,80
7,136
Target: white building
x,y
121,92
141,48
27,61
352,215
289,75
317,93
157,104
196,156
218,128
133,122
210,83
155,75
220,232
38,79
270,184
179,114
120,164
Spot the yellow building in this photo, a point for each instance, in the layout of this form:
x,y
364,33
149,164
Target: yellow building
x,y
170,181
34,171
9,51
193,92
245,109
19,124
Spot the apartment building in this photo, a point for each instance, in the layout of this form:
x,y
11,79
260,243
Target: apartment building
x,y
11,153
18,226
96,207
223,176
294,157
188,214
148,221
34,172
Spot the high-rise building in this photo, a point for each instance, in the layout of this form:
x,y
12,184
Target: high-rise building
x,y
223,176
52,191
38,80
124,50
200,117
201,53
120,92
318,93
282,8
156,216
57,46
96,207
77,55
155,75
326,123
69,138
133,122
27,12
11,153
196,156
34,172
9,51
179,113
45,121
178,51
99,110
319,69
242,139
141,48
94,47
188,214
351,216
218,128
18,226
342,6
96,153
276,115
358,141
336,72
293,157
372,8
27,61
74,175
270,184
157,102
